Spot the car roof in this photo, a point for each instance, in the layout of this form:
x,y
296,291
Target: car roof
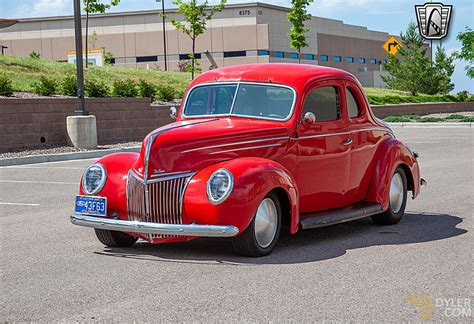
x,y
295,75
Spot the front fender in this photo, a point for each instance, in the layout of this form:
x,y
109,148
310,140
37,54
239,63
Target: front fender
x,y
116,166
392,154
254,178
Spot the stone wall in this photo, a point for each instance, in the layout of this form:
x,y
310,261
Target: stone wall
x,y
39,122
42,121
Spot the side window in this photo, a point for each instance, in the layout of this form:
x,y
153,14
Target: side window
x,y
352,107
323,103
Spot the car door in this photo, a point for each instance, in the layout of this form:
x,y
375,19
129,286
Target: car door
x,y
323,160
365,138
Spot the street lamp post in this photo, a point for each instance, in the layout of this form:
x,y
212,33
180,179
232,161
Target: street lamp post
x,y
164,31
81,107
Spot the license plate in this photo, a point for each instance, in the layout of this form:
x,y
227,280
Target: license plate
x,y
88,205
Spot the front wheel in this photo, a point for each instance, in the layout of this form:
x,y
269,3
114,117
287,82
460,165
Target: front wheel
x,y
397,200
114,238
261,235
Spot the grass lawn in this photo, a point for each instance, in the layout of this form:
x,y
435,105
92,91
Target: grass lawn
x,y
428,119
24,72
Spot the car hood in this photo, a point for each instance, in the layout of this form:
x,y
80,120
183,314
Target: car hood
x,y
188,146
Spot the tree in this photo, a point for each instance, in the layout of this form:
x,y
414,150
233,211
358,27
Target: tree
x,y
95,6
195,17
414,71
444,69
467,50
297,18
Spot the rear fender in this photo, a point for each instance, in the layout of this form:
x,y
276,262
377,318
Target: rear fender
x,y
116,166
254,178
392,154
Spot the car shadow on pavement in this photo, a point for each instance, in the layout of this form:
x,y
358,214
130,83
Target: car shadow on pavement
x,y
305,246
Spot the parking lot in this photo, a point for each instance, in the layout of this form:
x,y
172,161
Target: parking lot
x,y
52,270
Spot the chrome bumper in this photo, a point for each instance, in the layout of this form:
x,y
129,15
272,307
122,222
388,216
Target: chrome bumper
x,y
154,228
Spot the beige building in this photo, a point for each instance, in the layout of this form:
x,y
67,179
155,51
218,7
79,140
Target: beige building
x,y
241,33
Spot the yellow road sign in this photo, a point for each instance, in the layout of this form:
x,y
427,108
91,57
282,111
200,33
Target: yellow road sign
x,y
392,45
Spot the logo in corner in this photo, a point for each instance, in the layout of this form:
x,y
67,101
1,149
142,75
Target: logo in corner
x,y
423,304
433,20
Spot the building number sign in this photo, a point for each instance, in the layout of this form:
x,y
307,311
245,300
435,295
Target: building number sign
x,y
244,12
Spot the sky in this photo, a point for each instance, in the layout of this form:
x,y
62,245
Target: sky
x,y
383,15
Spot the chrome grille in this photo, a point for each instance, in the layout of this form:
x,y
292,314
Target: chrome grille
x,y
158,201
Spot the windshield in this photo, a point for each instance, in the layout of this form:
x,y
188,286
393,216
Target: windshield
x,y
240,99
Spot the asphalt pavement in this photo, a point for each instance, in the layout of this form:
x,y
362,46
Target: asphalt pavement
x,y
357,271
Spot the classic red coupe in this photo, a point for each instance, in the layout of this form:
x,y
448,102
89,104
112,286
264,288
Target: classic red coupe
x,y
254,149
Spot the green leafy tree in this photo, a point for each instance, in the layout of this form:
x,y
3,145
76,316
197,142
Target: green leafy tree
x,y
95,6
443,69
195,18
467,50
297,18
413,70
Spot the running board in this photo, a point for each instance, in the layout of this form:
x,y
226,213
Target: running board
x,y
336,216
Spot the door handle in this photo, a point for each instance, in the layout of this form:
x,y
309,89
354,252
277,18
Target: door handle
x,y
347,142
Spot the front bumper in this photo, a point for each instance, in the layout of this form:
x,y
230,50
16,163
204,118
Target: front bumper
x,y
154,228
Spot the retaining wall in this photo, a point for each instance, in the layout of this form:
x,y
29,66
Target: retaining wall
x,y
42,121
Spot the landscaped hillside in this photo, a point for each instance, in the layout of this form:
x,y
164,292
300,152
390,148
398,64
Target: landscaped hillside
x,y
26,73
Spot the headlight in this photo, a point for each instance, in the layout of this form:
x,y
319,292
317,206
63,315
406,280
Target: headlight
x,y
219,186
93,179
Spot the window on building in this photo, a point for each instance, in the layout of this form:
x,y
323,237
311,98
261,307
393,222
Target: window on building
x,y
112,60
362,60
235,53
309,57
373,61
337,59
294,56
263,52
323,102
280,54
324,58
350,59
187,56
141,59
352,107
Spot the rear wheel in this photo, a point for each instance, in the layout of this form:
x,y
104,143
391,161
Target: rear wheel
x,y
397,200
114,238
261,235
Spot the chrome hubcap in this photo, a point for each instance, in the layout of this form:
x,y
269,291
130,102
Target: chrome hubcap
x,y
266,222
396,193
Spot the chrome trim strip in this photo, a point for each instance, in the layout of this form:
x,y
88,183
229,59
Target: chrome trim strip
x,y
154,228
245,148
170,177
342,133
237,82
163,174
236,143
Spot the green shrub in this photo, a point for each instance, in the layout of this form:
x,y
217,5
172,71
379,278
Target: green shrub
x,y
180,93
45,86
147,89
397,119
430,119
6,88
166,93
462,118
384,100
125,88
96,88
69,86
463,96
34,55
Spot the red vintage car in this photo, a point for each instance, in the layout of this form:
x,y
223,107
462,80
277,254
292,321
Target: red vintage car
x,y
254,149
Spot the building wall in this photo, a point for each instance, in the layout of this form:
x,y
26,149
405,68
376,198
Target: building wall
x,y
241,33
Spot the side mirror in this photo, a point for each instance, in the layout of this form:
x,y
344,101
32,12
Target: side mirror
x,y
309,118
173,112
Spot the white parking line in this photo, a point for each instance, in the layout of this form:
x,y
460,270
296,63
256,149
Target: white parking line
x,y
18,204
40,182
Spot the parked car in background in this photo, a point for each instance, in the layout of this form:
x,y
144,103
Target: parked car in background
x,y
255,149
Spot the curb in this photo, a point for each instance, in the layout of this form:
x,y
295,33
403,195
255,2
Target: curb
x,y
30,159
432,125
